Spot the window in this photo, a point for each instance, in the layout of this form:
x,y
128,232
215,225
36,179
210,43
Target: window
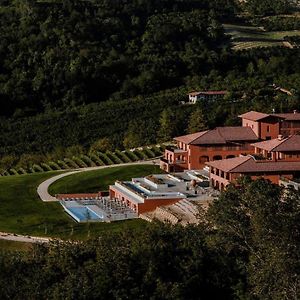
x,y
268,128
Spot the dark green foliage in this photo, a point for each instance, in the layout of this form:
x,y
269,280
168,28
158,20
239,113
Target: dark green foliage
x,y
87,160
71,163
131,155
54,165
46,167
22,171
258,225
268,7
62,164
113,157
37,168
61,54
159,262
13,172
157,151
140,154
122,156
149,153
96,160
105,158
79,162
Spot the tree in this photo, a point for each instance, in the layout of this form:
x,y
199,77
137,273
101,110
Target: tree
x,y
133,136
258,223
102,145
197,121
166,123
7,162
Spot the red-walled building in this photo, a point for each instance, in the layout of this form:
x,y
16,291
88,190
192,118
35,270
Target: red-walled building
x,y
269,126
278,149
227,171
194,150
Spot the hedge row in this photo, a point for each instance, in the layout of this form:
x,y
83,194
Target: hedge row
x,y
91,160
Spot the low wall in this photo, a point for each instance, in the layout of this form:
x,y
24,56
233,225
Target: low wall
x,y
74,196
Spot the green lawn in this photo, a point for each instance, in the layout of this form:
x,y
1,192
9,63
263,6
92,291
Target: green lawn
x,y
99,180
22,212
246,37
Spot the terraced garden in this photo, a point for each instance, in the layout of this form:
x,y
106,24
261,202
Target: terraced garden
x,y
247,37
22,211
92,160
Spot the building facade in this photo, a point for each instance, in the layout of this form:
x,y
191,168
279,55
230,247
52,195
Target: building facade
x,y
194,150
194,97
227,171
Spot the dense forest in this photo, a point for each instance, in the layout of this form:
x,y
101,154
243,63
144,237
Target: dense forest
x,y
247,247
74,72
57,54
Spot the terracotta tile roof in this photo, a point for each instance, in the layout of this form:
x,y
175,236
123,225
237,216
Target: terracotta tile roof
x,y
247,164
237,133
189,138
219,135
289,116
269,145
254,115
291,143
227,165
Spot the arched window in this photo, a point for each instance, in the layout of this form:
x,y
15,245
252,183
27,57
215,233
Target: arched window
x,y
203,159
217,157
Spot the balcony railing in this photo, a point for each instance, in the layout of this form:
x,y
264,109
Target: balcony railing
x,y
175,149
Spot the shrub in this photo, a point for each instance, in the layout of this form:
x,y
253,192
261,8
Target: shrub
x,y
96,160
22,171
105,159
54,165
62,164
140,154
79,162
122,156
13,172
131,155
46,167
37,168
87,160
114,158
71,163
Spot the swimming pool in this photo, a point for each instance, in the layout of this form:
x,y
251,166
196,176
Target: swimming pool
x,y
83,214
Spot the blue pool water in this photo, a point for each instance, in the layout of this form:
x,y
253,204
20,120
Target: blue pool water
x,y
82,214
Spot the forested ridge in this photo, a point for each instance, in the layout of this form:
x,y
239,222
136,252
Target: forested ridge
x,y
247,247
57,54
74,72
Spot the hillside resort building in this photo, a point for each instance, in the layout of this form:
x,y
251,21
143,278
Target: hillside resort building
x,y
200,166
266,145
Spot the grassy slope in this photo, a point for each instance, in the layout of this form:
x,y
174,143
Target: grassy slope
x,y
99,180
23,212
244,37
14,246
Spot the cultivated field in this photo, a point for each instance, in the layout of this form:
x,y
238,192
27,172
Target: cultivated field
x,y
247,37
22,211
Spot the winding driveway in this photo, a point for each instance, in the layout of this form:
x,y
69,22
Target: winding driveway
x,y
42,189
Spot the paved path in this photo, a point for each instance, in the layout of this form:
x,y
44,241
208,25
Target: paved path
x,y
42,189
23,238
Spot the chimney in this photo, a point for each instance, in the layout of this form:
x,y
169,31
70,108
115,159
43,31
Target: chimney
x,y
294,111
280,137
